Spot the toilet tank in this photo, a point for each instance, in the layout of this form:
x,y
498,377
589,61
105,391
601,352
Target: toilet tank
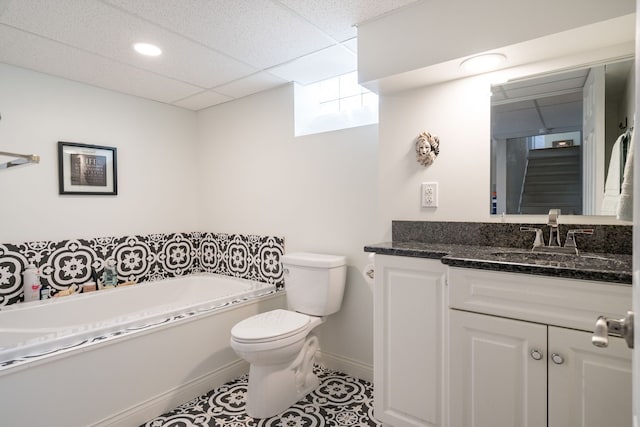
x,y
314,282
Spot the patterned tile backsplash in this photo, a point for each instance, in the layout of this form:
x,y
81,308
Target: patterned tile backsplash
x,y
140,258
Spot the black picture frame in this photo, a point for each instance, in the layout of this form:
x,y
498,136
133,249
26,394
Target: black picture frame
x,y
85,169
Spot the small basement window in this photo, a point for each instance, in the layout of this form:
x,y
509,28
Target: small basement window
x,y
336,103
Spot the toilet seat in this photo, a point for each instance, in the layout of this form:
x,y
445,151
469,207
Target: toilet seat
x,y
271,326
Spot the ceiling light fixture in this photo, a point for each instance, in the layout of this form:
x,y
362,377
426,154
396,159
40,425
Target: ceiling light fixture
x,y
147,49
484,62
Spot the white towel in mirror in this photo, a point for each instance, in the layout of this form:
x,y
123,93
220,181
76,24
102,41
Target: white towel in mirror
x,y
625,205
612,184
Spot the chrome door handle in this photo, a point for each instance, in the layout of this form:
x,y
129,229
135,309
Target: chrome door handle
x,y
600,336
557,359
620,327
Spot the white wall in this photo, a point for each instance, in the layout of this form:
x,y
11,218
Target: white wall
x,y
235,168
458,113
156,160
317,191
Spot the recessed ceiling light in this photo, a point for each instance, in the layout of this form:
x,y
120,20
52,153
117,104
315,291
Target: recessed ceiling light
x,y
485,62
147,49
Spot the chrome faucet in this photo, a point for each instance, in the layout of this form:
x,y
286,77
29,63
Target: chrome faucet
x,y
554,236
570,241
554,244
539,240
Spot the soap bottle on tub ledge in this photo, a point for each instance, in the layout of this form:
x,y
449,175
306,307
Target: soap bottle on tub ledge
x,y
110,275
31,283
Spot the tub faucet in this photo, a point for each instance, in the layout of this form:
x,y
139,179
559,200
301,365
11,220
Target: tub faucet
x,y
554,235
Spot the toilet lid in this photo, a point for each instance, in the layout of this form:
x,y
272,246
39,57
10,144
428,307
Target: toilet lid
x,y
275,324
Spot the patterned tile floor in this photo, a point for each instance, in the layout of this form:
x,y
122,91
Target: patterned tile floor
x,y
340,400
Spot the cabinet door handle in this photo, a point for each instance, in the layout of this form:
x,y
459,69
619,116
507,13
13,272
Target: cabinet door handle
x,y
536,354
557,359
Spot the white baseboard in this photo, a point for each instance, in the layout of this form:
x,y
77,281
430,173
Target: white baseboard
x,y
169,400
351,367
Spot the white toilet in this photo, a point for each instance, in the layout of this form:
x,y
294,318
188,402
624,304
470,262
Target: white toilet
x,y
279,344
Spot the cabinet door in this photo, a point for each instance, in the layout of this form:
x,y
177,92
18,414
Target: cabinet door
x,y
588,386
498,372
409,312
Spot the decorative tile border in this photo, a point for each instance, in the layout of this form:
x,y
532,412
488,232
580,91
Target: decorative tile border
x,y
249,257
140,258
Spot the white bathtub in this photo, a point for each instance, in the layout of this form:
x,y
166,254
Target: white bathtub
x,y
31,329
122,356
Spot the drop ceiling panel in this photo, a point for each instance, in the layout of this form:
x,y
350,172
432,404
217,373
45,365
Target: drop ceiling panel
x,y
36,53
546,89
203,100
214,50
565,98
513,106
517,123
543,86
251,84
321,65
261,33
567,115
109,32
351,44
339,17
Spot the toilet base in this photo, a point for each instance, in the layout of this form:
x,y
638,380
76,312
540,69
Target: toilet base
x,y
274,388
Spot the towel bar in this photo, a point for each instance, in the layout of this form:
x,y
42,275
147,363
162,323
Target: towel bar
x,y
20,159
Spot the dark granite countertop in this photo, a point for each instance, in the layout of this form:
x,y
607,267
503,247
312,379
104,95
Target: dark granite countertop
x,y
615,268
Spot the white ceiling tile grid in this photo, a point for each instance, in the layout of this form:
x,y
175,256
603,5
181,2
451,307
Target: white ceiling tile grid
x,y
58,59
252,84
203,100
339,18
259,32
324,64
213,50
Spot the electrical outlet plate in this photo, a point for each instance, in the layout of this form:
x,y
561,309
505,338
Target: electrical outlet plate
x,y
429,194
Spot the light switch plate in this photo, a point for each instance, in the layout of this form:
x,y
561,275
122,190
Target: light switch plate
x,y
429,194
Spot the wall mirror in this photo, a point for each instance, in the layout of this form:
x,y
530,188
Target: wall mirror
x,y
560,140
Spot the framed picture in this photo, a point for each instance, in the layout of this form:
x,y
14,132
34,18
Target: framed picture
x,y
87,169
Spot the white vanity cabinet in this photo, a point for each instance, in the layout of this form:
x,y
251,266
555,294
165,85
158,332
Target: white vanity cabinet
x,y
588,386
521,352
409,341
